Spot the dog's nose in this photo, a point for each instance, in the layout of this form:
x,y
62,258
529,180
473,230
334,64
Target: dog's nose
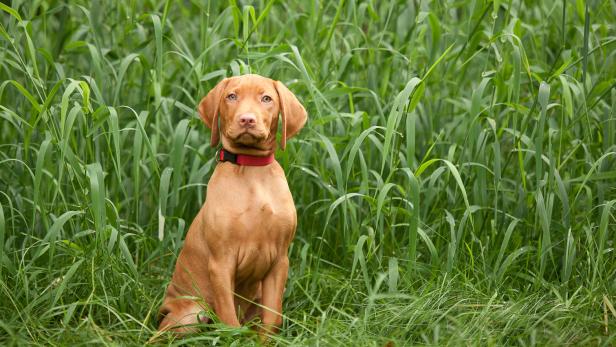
x,y
248,120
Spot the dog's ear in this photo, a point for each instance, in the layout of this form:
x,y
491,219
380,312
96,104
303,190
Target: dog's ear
x,y
293,114
208,109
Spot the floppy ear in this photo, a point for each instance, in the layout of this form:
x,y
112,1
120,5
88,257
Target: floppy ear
x,y
293,114
208,109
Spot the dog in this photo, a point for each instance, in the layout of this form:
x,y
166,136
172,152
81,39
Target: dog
x,y
235,256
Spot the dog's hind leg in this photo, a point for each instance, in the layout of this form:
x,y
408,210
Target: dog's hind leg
x,y
180,316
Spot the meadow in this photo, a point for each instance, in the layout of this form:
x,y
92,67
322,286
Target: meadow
x,y
455,183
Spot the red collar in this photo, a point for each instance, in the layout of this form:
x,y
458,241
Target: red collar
x,y
243,159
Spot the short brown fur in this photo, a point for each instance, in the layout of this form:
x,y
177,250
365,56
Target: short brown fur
x,y
234,259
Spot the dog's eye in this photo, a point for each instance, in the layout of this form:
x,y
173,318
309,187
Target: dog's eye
x,y
232,97
266,98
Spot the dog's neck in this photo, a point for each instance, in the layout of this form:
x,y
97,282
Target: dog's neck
x,y
266,149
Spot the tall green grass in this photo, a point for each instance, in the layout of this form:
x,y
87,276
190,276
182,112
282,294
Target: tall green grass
x,y
455,184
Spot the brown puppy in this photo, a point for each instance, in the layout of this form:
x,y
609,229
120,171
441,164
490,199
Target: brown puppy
x,y
234,258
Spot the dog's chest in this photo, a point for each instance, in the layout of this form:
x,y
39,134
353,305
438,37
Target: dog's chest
x,y
254,207
250,217
258,234
254,261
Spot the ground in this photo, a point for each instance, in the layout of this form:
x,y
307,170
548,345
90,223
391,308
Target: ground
x,y
455,183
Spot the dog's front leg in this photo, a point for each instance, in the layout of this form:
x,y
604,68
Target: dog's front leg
x,y
222,281
273,290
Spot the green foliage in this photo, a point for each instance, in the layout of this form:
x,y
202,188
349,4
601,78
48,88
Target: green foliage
x,y
455,183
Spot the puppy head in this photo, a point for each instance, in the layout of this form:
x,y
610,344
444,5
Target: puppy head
x,y
245,109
